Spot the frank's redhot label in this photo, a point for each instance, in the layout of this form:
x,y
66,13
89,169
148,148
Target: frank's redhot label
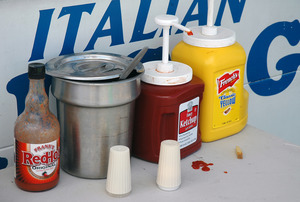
x,y
37,163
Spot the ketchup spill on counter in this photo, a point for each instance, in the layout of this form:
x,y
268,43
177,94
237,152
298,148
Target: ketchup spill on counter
x,y
198,164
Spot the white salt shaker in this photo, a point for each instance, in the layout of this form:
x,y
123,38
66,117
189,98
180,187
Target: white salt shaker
x,y
169,168
118,182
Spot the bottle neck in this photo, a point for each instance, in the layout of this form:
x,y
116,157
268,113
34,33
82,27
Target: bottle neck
x,y
37,99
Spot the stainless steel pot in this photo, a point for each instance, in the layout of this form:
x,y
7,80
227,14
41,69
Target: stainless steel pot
x,y
94,116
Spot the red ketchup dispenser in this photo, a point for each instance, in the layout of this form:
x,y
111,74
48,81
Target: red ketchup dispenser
x,y
169,104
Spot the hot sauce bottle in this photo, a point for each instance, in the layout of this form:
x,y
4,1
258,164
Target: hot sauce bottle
x,y
37,138
169,103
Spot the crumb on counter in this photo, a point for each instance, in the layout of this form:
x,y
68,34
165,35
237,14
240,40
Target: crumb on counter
x,y
239,153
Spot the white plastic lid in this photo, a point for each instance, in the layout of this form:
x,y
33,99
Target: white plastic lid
x,y
163,72
181,74
210,36
223,37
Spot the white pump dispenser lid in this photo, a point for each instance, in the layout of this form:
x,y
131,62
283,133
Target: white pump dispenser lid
x,y
165,72
210,36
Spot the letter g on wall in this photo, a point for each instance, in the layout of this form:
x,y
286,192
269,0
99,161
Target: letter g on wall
x,y
257,69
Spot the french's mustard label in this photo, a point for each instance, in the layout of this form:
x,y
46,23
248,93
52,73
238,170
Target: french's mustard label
x,y
226,98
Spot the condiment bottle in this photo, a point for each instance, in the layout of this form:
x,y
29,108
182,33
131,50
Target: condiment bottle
x,y
219,61
37,138
168,106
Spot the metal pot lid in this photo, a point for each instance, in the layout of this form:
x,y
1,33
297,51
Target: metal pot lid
x,y
90,66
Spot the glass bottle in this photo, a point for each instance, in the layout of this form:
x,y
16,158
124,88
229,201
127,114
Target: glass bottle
x,y
37,137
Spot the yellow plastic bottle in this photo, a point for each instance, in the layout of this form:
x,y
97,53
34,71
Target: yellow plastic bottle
x,y
219,61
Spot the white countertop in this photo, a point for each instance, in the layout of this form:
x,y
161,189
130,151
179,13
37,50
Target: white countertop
x,y
269,171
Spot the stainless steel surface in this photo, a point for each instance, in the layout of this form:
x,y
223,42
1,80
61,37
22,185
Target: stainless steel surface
x,y
94,116
96,94
90,66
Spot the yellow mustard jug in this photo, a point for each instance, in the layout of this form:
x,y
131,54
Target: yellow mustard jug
x,y
219,61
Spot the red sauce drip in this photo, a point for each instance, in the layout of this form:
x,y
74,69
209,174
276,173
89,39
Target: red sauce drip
x,y
202,165
190,33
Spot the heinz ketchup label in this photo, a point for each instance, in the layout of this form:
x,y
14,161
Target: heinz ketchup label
x,y
37,163
188,122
